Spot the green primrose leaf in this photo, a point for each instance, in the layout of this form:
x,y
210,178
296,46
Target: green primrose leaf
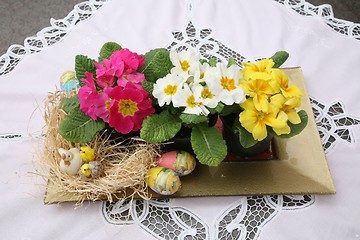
x,y
212,62
229,109
160,127
295,129
157,64
108,49
78,127
83,64
208,145
68,104
203,60
218,109
148,86
231,62
193,118
246,139
279,58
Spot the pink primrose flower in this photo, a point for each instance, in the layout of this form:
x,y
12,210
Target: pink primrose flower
x,y
134,77
103,104
132,61
106,72
87,95
130,106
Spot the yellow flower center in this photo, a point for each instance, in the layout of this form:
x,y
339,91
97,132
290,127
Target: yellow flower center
x,y
260,116
202,75
228,83
191,101
107,104
206,93
127,107
184,65
170,89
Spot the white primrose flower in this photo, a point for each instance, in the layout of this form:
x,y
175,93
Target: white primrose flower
x,y
205,95
206,74
166,88
186,98
186,62
228,86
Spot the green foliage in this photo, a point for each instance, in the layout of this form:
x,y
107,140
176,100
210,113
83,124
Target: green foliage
x,y
218,109
229,109
173,110
108,49
202,60
157,64
83,64
295,128
68,104
231,62
212,62
193,118
160,127
279,58
148,86
208,145
78,127
246,139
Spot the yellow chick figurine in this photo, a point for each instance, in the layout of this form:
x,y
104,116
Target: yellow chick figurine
x,y
87,154
92,169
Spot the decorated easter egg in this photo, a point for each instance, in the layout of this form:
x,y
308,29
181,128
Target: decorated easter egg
x,y
68,81
163,181
181,162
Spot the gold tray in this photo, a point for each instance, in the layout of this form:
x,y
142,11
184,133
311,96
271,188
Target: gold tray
x,y
300,167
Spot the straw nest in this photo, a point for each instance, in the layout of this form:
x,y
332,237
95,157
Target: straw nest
x,y
124,165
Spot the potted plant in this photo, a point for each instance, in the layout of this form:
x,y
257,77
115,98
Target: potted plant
x,y
270,108
188,99
159,96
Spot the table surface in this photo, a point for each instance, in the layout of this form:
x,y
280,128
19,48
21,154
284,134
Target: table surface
x,y
327,49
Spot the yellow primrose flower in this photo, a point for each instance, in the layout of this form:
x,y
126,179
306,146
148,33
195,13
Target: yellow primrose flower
x,y
280,82
282,116
286,106
261,69
259,90
255,121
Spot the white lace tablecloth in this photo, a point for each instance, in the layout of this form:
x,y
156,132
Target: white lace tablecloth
x,y
328,50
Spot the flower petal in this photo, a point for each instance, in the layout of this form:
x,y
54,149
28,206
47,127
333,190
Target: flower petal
x,y
284,130
294,117
259,132
271,121
293,91
261,102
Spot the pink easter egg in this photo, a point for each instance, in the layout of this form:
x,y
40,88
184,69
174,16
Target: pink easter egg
x,y
181,162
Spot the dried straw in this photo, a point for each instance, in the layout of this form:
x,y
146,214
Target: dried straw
x,y
124,165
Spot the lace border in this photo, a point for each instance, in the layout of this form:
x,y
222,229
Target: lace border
x,y
326,12
49,35
82,11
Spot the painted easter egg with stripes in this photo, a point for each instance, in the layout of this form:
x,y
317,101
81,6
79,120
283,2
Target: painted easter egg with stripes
x,y
181,162
163,181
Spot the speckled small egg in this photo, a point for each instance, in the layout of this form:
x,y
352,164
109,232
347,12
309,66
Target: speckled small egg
x,y
181,162
163,181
